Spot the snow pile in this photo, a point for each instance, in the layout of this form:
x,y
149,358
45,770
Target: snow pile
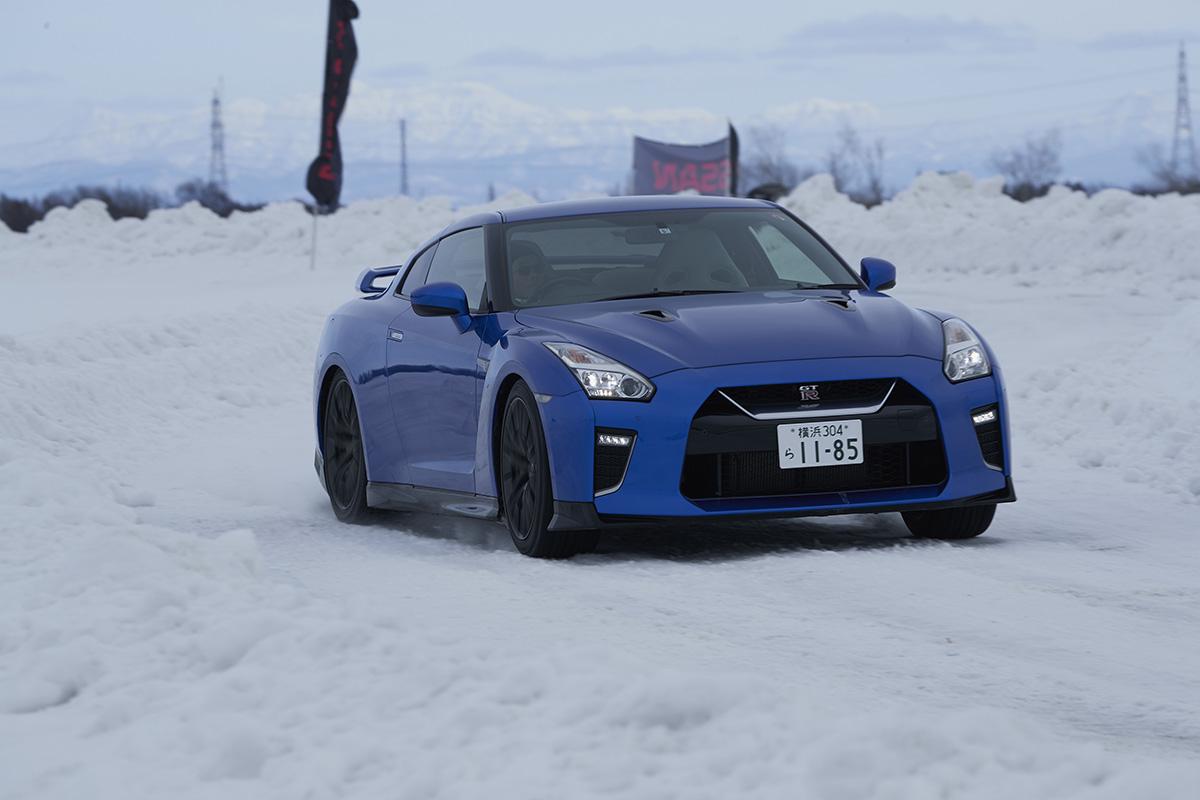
x,y
944,226
941,226
179,615
367,233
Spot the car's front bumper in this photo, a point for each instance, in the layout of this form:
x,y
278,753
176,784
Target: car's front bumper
x,y
583,516
651,485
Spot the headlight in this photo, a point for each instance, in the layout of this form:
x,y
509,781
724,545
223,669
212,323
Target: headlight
x,y
965,357
601,377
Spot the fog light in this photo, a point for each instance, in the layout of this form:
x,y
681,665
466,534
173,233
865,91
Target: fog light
x,y
613,440
984,417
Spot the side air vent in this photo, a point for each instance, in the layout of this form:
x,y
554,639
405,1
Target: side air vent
x,y
987,429
613,448
658,314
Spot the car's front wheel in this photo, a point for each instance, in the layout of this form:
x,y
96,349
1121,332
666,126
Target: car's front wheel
x,y
345,468
525,489
950,523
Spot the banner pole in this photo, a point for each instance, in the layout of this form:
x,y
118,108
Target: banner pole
x,y
312,260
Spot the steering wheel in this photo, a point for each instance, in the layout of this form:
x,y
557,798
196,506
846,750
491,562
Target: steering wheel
x,y
705,277
545,288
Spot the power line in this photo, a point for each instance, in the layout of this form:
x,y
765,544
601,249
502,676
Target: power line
x,y
1102,101
1022,89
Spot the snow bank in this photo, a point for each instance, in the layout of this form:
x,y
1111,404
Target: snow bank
x,y
279,236
953,225
940,226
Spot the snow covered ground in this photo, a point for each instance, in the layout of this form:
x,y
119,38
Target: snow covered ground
x,y
180,616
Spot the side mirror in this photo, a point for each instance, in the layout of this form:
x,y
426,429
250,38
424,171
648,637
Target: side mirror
x,y
367,278
878,274
440,300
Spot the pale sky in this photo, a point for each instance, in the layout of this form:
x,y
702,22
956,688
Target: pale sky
x,y
1023,60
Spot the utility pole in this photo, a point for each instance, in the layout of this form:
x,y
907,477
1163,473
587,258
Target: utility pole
x,y
1183,146
216,162
403,156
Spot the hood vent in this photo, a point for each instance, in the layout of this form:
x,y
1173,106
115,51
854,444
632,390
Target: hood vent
x,y
658,314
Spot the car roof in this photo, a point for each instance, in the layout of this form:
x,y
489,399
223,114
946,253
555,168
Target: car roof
x,y
597,205
608,205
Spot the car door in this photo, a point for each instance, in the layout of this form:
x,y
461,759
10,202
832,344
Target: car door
x,y
433,373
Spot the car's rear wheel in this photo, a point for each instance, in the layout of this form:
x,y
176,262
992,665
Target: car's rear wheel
x,y
345,467
525,489
950,523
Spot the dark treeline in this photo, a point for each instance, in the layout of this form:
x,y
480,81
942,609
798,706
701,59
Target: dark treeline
x,y
20,213
1030,169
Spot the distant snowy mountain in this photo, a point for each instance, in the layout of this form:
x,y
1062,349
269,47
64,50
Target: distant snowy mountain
x,y
464,136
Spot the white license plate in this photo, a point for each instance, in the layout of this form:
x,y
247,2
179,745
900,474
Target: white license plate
x,y
820,444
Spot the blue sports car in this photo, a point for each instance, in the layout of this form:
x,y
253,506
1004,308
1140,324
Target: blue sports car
x,y
574,365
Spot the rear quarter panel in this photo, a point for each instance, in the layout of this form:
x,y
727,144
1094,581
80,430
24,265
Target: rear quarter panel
x,y
353,341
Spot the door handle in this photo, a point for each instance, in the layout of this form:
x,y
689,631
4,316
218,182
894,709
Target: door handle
x,y
395,335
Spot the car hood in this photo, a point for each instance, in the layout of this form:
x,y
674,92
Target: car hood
x,y
660,334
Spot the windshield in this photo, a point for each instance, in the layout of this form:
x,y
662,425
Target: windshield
x,y
658,253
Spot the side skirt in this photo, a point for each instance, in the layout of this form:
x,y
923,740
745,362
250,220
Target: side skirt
x,y
403,497
583,516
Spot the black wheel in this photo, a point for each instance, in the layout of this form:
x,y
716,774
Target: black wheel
x,y
345,468
950,523
525,491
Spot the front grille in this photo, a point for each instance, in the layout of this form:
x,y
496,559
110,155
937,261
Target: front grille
x,y
610,461
757,473
781,397
991,444
730,454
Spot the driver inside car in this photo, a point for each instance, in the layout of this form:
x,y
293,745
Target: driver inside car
x,y
530,270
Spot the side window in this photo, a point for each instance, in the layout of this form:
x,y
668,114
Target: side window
x,y
416,273
460,259
789,261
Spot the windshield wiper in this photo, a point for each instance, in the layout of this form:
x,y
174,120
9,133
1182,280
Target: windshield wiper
x,y
670,293
807,285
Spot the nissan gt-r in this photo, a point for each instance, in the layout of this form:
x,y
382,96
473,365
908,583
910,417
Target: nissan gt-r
x,y
570,366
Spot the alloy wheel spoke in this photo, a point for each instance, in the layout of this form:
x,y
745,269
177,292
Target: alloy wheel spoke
x,y
343,457
344,480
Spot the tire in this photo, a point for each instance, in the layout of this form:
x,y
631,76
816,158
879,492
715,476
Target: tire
x,y
950,523
345,467
526,495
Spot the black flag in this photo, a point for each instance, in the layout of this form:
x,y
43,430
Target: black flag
x,y
341,51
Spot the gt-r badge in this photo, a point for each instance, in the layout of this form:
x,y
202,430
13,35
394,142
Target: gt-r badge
x,y
809,392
